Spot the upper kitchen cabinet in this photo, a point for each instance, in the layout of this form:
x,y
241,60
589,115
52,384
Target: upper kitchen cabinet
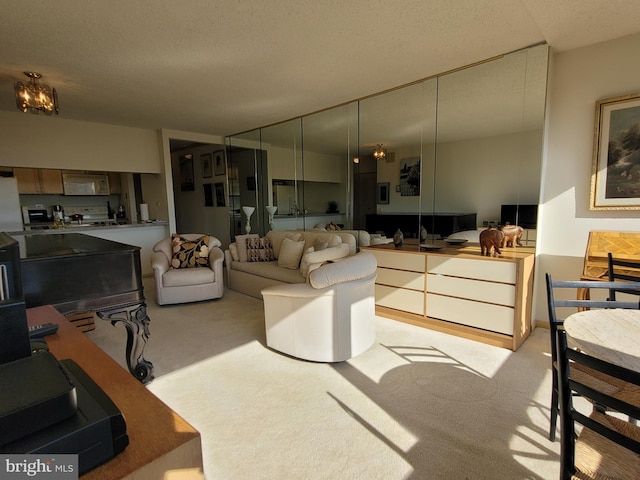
x,y
38,181
115,183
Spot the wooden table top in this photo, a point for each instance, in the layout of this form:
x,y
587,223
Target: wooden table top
x,y
154,429
613,335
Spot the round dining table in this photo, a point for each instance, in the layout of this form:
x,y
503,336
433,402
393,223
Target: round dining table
x,y
610,334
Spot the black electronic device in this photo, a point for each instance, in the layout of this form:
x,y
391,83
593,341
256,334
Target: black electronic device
x,y
524,215
42,330
37,393
97,432
14,335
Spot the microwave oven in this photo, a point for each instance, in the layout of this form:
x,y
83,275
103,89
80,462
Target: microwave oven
x,y
75,184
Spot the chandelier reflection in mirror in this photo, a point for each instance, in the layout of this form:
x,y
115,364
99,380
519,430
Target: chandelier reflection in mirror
x,y
379,153
36,97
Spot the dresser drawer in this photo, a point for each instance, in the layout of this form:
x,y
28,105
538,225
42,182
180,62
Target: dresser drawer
x,y
400,261
400,299
400,278
500,293
495,271
495,318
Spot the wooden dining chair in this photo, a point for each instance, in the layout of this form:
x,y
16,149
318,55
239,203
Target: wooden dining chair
x,y
607,447
571,288
623,270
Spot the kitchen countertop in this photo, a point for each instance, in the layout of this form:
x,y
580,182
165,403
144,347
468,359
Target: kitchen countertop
x,y
82,228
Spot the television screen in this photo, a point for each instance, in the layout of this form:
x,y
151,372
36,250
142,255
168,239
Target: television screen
x,y
524,215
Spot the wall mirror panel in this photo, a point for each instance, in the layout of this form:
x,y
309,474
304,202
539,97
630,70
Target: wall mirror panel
x,y
458,148
329,144
489,137
247,182
283,146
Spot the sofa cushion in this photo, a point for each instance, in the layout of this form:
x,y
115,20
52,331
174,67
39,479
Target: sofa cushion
x,y
180,277
259,250
290,253
269,270
319,257
233,248
189,253
277,236
241,243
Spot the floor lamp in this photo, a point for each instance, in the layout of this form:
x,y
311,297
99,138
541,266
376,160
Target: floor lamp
x,y
248,211
271,210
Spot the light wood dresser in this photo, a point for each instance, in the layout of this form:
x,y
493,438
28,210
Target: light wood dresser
x,y
457,291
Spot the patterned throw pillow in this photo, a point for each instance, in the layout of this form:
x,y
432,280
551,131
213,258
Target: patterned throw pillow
x,y
259,250
189,253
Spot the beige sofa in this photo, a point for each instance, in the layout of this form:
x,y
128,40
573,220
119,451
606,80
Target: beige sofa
x,y
251,277
362,237
331,318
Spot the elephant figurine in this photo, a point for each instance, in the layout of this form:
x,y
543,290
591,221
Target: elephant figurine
x,y
491,238
512,235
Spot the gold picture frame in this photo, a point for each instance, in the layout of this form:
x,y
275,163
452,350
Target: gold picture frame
x,y
615,173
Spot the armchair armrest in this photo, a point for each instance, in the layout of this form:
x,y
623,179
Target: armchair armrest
x,y
159,263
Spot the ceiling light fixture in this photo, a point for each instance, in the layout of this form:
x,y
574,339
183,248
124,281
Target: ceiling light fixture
x,y
36,97
379,153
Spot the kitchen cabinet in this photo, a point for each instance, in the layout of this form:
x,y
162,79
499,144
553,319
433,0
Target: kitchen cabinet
x,y
115,183
456,290
38,180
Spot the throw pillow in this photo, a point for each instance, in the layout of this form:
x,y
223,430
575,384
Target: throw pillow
x,y
241,243
259,250
233,248
189,253
276,237
290,253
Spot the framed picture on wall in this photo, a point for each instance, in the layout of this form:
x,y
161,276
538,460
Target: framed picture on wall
x,y
220,194
410,177
219,165
208,194
207,168
615,174
382,192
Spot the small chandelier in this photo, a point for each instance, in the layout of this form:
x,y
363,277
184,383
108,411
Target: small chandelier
x,y
379,153
36,97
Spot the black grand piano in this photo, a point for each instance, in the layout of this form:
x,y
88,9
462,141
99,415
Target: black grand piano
x,y
79,273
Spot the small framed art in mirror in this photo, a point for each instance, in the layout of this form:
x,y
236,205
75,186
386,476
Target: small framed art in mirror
x,y
382,193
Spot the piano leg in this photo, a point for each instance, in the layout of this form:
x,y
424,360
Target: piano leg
x,y
136,321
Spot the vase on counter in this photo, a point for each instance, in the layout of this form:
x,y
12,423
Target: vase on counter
x,y
398,237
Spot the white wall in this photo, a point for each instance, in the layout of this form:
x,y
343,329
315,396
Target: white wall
x,y
53,142
578,79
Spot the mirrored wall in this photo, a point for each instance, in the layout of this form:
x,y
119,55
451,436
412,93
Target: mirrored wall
x,y
456,152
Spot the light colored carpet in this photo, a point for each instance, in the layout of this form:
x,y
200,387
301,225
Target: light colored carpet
x,y
418,405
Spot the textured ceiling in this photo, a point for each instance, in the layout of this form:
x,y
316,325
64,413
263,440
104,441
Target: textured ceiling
x,y
225,66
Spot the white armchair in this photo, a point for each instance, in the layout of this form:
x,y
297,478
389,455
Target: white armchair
x,y
182,285
329,319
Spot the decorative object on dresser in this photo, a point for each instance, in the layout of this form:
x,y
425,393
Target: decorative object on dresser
x,y
512,236
490,241
398,238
